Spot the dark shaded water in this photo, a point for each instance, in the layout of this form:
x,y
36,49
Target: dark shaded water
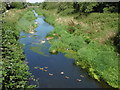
x,y
37,55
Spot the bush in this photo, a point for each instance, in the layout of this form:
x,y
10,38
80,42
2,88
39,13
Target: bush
x,y
18,5
27,21
2,7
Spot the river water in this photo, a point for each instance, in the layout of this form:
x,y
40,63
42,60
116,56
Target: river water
x,y
37,55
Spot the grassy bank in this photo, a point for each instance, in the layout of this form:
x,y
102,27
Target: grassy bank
x,y
14,69
89,40
26,22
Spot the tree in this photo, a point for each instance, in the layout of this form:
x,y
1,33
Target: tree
x,y
19,5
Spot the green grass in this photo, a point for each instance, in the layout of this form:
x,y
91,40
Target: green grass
x,y
26,23
89,43
50,18
98,25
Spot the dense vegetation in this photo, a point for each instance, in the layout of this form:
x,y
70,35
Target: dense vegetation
x,y
11,5
87,32
14,69
82,7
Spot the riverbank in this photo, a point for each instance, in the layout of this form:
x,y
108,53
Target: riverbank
x,y
14,68
87,39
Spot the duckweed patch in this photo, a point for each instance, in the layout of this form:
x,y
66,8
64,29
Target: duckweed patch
x,y
38,50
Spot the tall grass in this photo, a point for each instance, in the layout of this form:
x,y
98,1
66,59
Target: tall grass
x,y
26,23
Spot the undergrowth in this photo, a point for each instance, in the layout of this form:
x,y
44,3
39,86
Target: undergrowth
x,y
26,23
15,71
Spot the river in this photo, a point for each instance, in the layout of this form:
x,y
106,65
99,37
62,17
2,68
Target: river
x,y
36,50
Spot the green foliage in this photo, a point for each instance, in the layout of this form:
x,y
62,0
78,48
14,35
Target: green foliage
x,y
2,7
98,26
109,9
50,5
87,7
15,71
67,11
66,8
10,5
101,58
50,19
26,22
18,5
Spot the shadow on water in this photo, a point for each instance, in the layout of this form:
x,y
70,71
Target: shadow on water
x,y
47,67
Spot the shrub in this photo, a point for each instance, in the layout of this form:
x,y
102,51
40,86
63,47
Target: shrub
x,y
18,5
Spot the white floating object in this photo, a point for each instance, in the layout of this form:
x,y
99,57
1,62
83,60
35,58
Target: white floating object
x,y
55,34
46,67
50,74
62,73
6,11
41,68
45,70
36,22
43,41
66,77
48,38
67,48
78,80
31,32
81,76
